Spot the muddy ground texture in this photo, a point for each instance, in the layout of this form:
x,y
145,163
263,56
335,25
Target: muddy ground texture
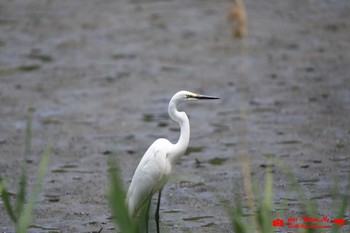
x,y
100,75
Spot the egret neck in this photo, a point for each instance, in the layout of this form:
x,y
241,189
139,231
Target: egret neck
x,y
182,144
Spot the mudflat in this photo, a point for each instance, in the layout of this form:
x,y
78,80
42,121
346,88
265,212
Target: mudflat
x,y
100,75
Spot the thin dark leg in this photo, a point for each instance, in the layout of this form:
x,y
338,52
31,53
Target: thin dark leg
x,y
157,211
147,214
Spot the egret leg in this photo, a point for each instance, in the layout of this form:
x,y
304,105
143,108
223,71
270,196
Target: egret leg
x,y
147,214
157,211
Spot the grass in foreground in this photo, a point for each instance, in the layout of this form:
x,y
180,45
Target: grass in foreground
x,y
263,218
117,202
21,212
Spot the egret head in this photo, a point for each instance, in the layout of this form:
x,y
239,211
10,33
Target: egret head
x,y
183,96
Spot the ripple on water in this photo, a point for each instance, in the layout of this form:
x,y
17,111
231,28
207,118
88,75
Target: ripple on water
x,y
202,221
50,229
69,168
217,161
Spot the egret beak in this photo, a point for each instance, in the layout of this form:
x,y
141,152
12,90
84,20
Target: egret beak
x,y
205,97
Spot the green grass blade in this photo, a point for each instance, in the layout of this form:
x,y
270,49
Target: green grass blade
x,y
117,200
239,225
264,209
269,199
309,206
344,203
27,214
28,135
267,204
2,185
268,190
6,199
341,212
21,195
284,204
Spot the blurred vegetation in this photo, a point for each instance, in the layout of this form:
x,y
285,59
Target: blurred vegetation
x,y
117,202
21,212
261,220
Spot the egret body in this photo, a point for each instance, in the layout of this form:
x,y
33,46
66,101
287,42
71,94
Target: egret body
x,y
155,167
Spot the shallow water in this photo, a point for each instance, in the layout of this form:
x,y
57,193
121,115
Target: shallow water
x,y
100,84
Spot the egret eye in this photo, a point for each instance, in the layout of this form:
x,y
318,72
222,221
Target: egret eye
x,y
190,97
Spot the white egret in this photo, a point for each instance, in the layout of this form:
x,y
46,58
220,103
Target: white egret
x,y
156,164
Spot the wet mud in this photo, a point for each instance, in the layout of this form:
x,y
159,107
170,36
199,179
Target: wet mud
x,y
100,75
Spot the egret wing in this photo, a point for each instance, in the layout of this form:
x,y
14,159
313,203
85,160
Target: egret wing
x,y
150,176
